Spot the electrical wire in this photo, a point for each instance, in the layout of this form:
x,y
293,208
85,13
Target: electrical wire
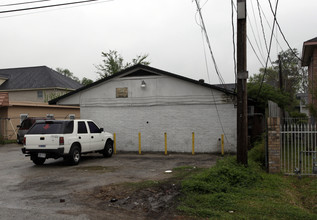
x,y
24,3
46,6
268,23
208,42
256,25
262,27
255,38
270,46
279,27
255,52
233,43
249,41
204,33
57,8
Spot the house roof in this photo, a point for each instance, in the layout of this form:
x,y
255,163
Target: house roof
x,y
308,49
228,86
141,70
38,77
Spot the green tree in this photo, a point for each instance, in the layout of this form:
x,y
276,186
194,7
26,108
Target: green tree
x,y
67,73
85,81
294,81
113,62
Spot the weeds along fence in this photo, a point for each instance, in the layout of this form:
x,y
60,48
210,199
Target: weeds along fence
x,y
298,147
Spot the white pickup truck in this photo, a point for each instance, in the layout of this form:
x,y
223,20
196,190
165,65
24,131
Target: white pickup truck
x,y
66,138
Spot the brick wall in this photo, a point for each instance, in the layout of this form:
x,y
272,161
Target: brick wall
x,y
274,145
312,79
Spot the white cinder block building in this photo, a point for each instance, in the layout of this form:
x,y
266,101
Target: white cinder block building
x,y
153,102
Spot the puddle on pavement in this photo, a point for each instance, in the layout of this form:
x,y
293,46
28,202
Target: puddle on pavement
x,y
101,169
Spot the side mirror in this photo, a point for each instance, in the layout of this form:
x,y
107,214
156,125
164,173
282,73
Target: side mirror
x,y
101,130
18,126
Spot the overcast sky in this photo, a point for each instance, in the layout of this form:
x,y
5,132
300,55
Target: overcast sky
x,y
167,30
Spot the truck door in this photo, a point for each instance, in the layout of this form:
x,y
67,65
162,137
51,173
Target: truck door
x,y
96,138
83,136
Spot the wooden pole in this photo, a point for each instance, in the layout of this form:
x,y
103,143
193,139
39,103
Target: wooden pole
x,y
242,75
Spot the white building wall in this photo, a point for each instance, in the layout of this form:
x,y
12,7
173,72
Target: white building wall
x,y
177,121
166,104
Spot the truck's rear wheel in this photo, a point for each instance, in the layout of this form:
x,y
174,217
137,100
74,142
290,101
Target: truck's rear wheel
x,y
108,150
74,155
37,160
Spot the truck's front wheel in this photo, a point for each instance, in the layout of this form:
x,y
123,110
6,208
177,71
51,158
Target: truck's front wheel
x,y
37,160
74,155
108,150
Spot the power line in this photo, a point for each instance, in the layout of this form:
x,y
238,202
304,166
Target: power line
x,y
255,52
55,9
279,27
256,25
262,27
256,42
267,22
263,32
23,3
270,46
203,30
233,41
46,6
249,41
208,42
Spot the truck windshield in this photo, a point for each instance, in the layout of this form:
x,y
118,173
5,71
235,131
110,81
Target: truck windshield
x,y
50,127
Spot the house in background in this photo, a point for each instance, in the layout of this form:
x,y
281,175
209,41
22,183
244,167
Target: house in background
x,y
309,58
152,102
303,100
24,92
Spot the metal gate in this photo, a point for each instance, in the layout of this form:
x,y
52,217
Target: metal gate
x,y
298,148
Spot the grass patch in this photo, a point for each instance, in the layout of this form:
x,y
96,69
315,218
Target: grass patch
x,y
232,191
5,141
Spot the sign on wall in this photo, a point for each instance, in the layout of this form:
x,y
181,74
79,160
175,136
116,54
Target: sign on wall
x,y
122,92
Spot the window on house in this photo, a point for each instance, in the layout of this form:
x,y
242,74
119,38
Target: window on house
x,y
40,94
50,116
23,116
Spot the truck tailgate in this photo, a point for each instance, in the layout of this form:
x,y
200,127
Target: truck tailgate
x,y
42,141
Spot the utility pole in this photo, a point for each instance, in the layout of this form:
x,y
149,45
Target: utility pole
x,y
242,75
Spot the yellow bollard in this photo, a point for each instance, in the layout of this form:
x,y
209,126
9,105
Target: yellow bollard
x,y
193,143
222,145
114,143
165,136
139,142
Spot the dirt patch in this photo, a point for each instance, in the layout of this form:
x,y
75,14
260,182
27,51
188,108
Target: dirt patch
x,y
139,200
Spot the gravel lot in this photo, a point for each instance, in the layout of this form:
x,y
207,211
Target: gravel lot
x,y
58,191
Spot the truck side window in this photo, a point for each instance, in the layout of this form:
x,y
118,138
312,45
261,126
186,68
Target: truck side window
x,y
69,127
93,127
82,129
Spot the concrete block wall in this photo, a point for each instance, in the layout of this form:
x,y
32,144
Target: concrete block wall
x,y
274,148
178,121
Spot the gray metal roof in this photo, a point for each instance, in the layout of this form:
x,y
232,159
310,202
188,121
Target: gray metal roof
x,y
228,86
35,78
139,70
